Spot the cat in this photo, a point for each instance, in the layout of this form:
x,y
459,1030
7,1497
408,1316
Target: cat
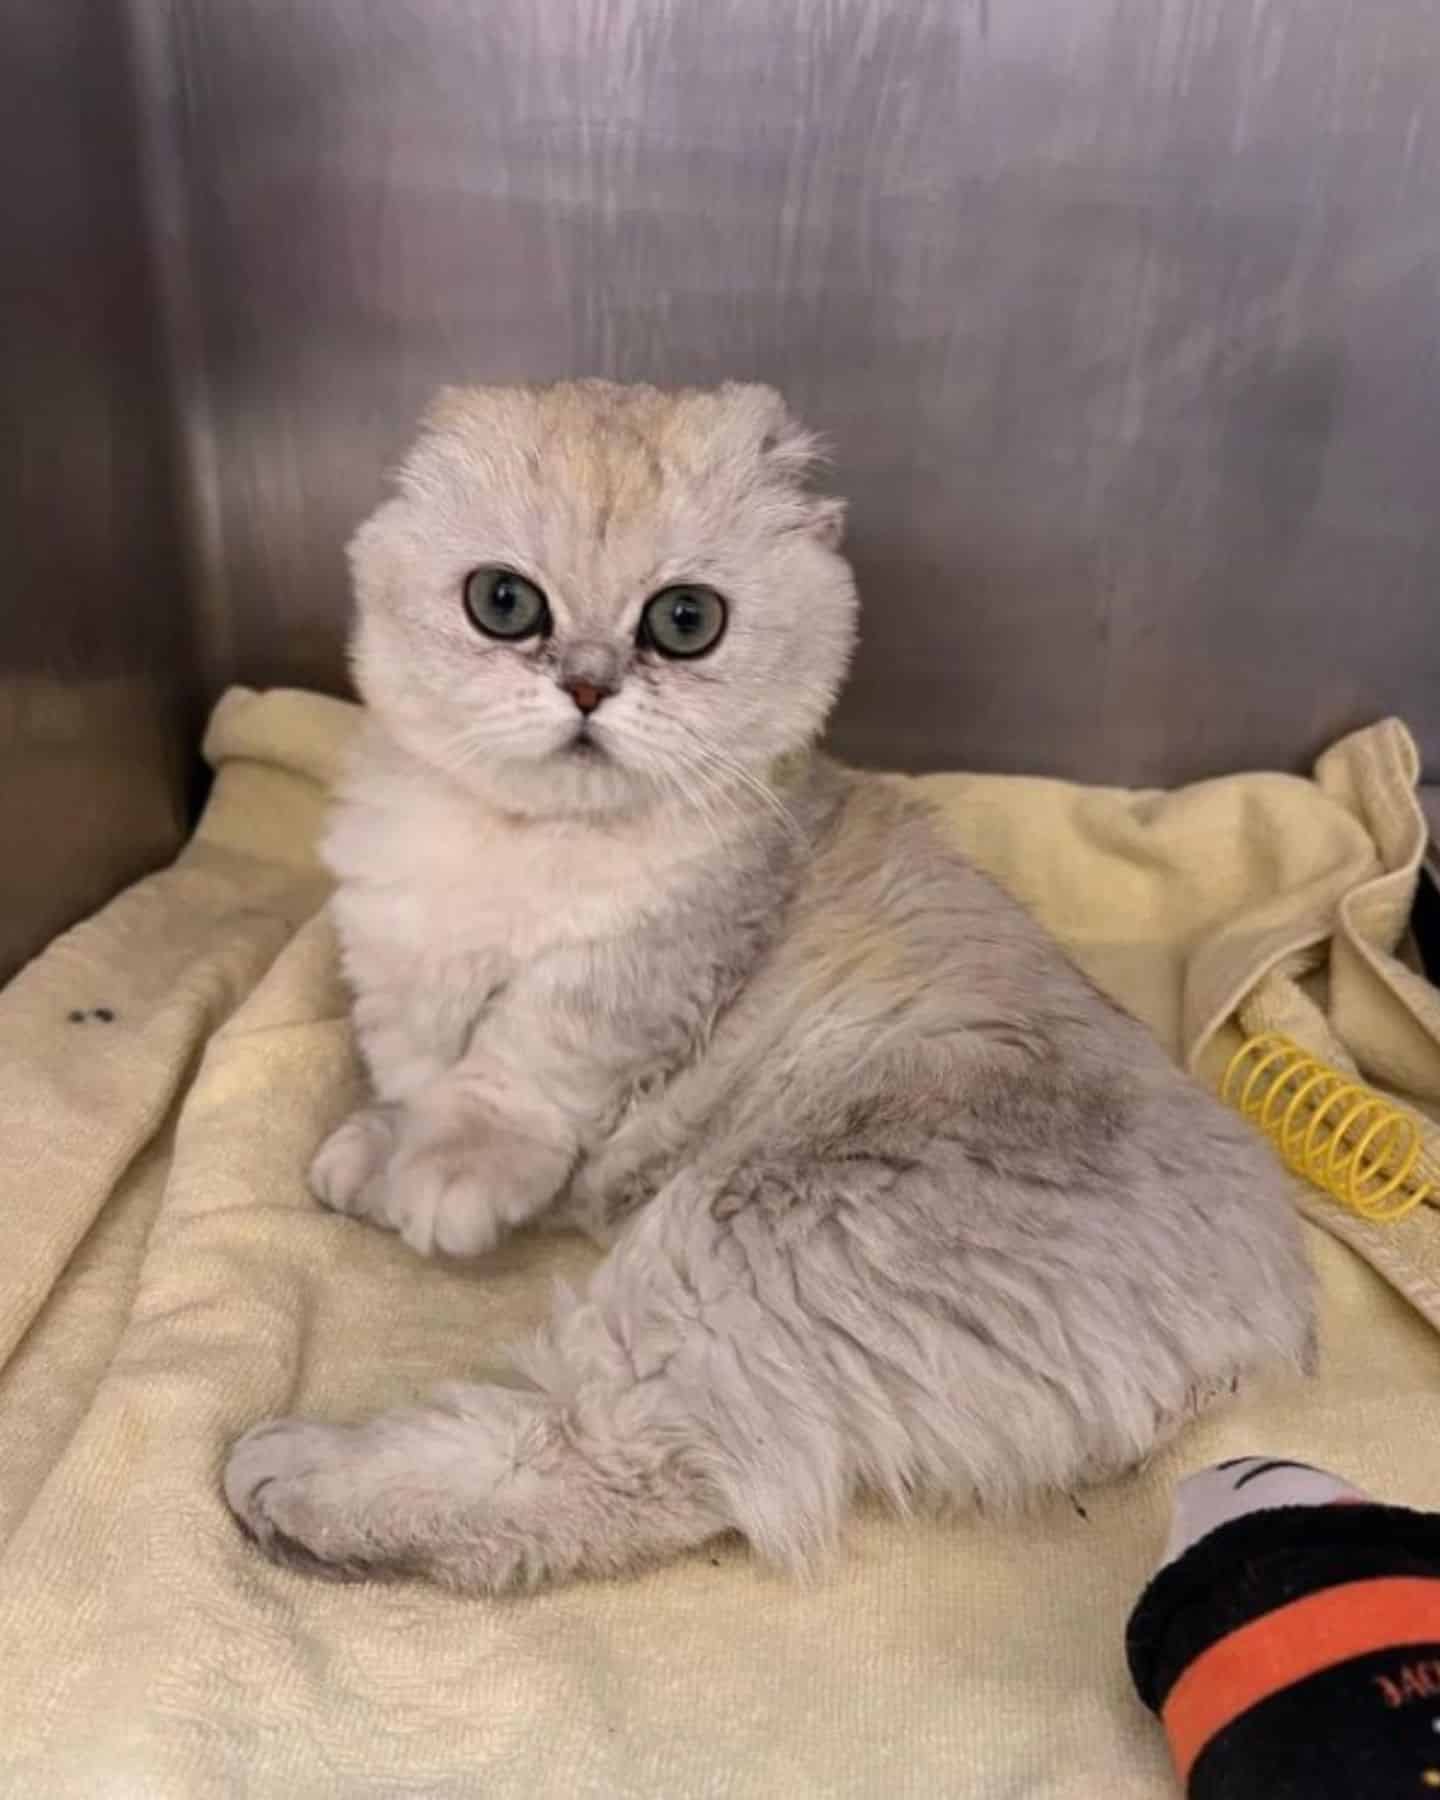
x,y
898,1203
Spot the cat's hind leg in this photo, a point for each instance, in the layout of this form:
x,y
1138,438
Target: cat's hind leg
x,y
663,1408
754,1351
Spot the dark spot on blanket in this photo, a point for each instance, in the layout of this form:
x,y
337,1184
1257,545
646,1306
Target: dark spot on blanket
x,y
104,1015
1079,1509
77,1018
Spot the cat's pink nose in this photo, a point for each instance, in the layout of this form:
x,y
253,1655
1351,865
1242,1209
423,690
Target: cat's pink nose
x,y
586,695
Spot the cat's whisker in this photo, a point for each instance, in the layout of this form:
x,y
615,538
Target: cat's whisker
x,y
714,790
726,765
695,788
730,765
696,802
713,779
497,738
727,793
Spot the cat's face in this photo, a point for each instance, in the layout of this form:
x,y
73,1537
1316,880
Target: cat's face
x,y
590,598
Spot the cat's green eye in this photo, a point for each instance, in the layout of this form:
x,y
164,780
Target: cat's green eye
x,y
505,605
683,621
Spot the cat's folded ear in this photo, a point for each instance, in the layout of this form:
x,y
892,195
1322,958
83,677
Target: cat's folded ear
x,y
794,453
828,523
790,453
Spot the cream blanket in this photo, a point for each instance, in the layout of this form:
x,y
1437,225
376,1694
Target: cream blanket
x,y
165,1281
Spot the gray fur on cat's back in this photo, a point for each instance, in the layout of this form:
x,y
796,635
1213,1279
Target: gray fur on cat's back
x,y
897,1200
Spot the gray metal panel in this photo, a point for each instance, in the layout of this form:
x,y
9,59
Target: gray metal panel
x,y
93,639
1121,314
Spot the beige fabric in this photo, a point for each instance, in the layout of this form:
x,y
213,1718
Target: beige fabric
x,y
1263,903
165,1281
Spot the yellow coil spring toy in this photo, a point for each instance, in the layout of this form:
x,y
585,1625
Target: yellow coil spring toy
x,y
1328,1127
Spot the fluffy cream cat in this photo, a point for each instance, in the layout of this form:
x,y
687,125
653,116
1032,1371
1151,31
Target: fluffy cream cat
x,y
898,1202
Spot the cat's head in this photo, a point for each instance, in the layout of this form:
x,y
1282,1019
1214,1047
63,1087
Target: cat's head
x,y
588,597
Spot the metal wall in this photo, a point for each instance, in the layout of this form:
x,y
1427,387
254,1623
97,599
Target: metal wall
x,y
96,696
1122,316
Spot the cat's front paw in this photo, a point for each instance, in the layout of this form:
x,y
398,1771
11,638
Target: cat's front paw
x,y
438,1198
348,1166
426,1188
458,1189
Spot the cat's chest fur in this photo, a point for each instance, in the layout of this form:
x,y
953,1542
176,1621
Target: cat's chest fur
x,y
444,890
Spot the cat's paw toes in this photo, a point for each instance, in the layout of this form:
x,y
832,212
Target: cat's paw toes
x,y
286,1483
438,1200
350,1159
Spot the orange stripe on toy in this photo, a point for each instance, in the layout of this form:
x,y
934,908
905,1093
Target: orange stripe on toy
x,y
1295,1641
